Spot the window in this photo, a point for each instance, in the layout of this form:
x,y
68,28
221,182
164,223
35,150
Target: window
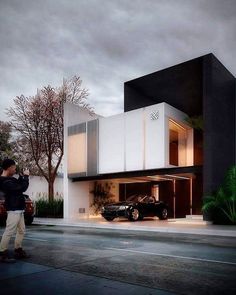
x,y
77,153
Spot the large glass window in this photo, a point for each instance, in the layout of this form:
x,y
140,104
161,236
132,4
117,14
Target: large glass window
x,y
177,144
77,153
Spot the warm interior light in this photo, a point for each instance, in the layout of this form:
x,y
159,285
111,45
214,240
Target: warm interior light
x,y
177,124
156,177
176,176
177,144
77,160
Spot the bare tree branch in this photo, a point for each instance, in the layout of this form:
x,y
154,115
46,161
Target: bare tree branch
x,y
39,121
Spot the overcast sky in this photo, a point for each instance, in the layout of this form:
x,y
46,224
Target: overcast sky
x,y
106,42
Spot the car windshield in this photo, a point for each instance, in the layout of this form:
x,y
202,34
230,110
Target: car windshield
x,y
136,198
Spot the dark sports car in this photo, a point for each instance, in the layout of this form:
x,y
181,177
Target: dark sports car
x,y
135,208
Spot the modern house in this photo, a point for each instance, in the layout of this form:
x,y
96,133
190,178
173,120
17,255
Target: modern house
x,y
150,148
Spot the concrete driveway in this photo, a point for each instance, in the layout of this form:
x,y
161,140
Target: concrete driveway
x,y
186,226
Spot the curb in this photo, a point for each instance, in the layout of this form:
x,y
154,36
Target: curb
x,y
168,229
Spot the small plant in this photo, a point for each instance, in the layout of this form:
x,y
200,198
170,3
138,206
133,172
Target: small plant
x,y
222,204
101,196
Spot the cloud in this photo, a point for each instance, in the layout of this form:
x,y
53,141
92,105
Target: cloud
x,y
106,43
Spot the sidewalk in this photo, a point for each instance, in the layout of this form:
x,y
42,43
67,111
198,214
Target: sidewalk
x,y
183,226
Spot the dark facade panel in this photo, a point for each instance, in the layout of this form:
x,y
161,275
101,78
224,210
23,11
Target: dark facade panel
x,y
219,122
197,194
202,86
92,148
182,198
135,98
76,129
166,194
76,175
179,86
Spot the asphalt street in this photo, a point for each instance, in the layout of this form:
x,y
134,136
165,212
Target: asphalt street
x,y
128,262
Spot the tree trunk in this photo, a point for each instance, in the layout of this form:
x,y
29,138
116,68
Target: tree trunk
x,y
50,190
50,179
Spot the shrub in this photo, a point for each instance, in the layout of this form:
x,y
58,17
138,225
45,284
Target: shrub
x,y
222,204
101,196
46,208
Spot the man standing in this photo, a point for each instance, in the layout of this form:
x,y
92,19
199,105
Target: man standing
x,y
15,205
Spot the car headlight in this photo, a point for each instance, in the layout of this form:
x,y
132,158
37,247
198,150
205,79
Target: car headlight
x,y
123,207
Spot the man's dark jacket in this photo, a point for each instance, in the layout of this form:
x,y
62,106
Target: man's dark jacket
x,y
13,189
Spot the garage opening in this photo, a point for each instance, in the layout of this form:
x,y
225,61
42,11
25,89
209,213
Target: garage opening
x,y
182,193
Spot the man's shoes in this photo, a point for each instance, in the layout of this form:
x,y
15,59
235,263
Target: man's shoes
x,y
20,254
5,258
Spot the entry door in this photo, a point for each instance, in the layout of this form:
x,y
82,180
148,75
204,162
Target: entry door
x,y
166,194
182,198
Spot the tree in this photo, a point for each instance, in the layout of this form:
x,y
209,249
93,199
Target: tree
x,y
39,121
10,148
23,156
5,140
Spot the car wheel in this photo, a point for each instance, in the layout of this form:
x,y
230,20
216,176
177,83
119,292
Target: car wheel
x,y
134,215
29,220
109,218
163,214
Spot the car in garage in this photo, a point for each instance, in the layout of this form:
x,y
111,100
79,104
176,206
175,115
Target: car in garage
x,y
28,214
136,207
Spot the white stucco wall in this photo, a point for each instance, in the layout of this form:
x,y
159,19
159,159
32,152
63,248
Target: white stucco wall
x,y
72,115
134,145
78,199
133,140
154,137
129,141
38,187
111,144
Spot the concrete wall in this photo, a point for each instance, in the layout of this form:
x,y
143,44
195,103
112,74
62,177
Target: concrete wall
x,y
78,199
139,140
154,136
134,145
132,141
38,187
136,140
72,115
111,144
